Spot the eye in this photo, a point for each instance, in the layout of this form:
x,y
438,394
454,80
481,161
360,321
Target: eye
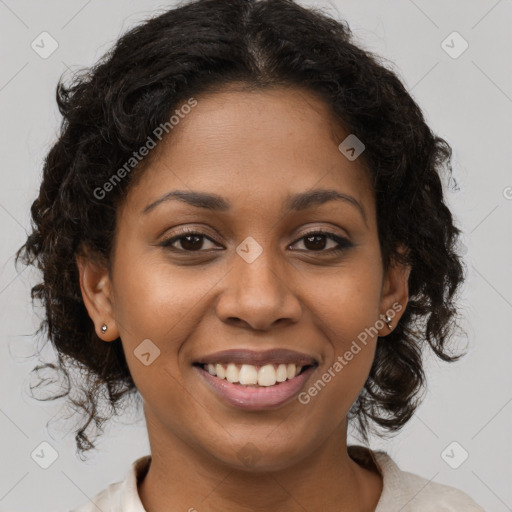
x,y
190,241
318,240
314,241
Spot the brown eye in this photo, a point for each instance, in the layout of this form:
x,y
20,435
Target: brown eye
x,y
190,241
323,241
316,241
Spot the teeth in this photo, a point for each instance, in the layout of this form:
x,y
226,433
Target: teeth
x,y
267,375
232,373
249,375
282,373
221,372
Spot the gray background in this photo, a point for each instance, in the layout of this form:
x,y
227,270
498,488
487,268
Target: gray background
x,y
467,100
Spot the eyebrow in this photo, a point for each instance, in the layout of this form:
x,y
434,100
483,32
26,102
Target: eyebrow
x,y
298,202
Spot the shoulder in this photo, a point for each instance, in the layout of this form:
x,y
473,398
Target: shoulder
x,y
120,496
409,492
104,500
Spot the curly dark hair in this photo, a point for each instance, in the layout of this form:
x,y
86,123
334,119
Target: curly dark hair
x,y
202,46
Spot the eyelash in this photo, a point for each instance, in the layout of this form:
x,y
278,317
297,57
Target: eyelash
x,y
343,243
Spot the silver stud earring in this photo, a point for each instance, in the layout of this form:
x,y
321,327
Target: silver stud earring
x,y
388,321
104,329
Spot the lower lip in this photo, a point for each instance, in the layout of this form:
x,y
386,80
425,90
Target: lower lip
x,y
260,397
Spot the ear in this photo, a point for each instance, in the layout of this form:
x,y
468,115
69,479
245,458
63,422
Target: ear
x,y
395,293
96,289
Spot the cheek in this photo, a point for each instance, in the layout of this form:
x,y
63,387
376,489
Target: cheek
x,y
348,301
152,298
157,309
346,309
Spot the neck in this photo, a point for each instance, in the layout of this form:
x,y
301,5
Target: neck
x,y
190,479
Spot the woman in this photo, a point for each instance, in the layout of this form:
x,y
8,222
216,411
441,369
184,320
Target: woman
x,y
242,223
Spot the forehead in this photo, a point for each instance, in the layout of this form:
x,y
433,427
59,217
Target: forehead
x,y
247,145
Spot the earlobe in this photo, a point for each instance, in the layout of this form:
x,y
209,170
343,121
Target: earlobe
x,y
395,294
96,289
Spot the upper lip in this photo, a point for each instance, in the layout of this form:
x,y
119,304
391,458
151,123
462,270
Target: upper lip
x,y
258,358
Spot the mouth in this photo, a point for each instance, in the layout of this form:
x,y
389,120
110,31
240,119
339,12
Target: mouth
x,y
256,380
256,376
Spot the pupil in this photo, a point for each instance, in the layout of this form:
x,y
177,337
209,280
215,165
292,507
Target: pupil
x,y
192,245
315,240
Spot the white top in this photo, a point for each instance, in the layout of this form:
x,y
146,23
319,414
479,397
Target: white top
x,y
402,491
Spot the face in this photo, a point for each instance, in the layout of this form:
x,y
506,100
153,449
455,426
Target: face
x,y
267,276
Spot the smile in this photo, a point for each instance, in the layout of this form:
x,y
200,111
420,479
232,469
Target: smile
x,y
250,375
256,380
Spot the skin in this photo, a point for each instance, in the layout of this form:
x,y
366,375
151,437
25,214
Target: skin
x,y
253,149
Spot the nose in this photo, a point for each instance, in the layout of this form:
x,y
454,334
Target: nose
x,y
258,295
